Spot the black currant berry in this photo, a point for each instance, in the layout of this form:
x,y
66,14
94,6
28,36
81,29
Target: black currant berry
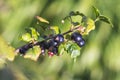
x,y
76,36
55,50
59,38
52,51
23,49
81,43
52,43
44,44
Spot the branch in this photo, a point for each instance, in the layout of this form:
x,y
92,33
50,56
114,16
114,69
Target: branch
x,y
31,44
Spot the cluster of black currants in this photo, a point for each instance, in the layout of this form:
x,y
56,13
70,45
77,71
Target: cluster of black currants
x,y
51,45
77,37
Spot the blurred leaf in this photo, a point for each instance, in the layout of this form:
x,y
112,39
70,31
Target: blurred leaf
x,y
26,37
6,51
89,26
105,19
72,48
40,38
56,29
42,19
33,53
61,49
97,12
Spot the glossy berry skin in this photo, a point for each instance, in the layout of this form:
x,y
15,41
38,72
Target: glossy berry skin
x,y
81,43
42,51
52,43
59,38
76,36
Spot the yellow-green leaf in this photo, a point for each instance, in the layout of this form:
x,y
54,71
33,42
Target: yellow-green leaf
x,y
90,25
6,51
42,19
97,12
26,37
33,53
34,33
55,28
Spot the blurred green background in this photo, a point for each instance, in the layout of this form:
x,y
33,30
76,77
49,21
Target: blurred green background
x,y
99,60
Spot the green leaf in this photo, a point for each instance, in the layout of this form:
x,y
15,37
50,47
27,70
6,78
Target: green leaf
x,y
97,12
61,49
42,19
89,25
72,48
33,53
26,37
40,39
55,29
34,33
105,19
6,51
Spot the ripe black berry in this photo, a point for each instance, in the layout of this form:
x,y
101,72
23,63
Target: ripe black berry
x,y
52,51
23,49
52,43
59,38
55,50
76,37
44,44
81,43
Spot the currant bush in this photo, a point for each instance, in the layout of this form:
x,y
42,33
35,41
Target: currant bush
x,y
55,43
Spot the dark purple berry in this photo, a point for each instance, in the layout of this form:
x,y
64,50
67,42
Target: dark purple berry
x,y
81,43
59,38
22,51
44,45
52,43
76,37
52,51
24,48
55,50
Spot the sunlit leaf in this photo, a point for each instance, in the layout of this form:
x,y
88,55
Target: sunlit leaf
x,y
42,19
56,29
97,12
26,37
33,53
34,33
89,26
105,19
6,51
